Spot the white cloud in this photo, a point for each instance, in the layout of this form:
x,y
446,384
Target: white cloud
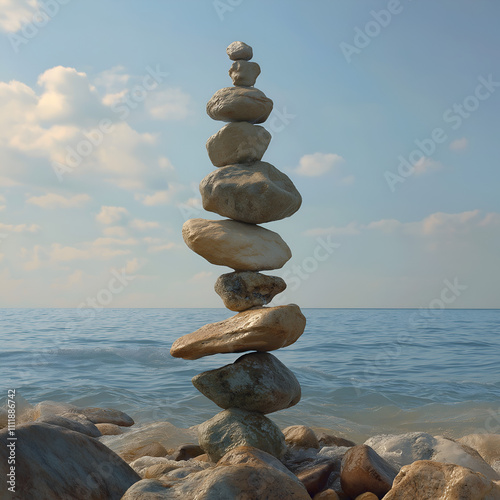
x,y
425,165
169,104
100,242
19,228
118,231
73,279
132,266
111,215
161,248
60,253
15,13
203,275
163,197
350,229
316,164
53,200
3,202
143,225
459,144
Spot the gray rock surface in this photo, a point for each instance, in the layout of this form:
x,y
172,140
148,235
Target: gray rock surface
x,y
239,51
244,73
77,423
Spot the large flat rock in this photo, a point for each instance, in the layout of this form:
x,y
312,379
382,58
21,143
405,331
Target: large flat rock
x,y
254,193
264,329
243,247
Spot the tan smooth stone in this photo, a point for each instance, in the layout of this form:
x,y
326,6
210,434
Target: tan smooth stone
x,y
326,495
239,104
367,496
487,445
264,329
244,73
428,480
109,429
239,51
300,436
241,246
238,142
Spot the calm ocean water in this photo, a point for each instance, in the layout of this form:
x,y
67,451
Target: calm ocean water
x,y
362,371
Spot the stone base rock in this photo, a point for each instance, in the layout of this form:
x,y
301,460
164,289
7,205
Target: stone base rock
x,y
264,329
239,51
254,382
239,104
234,427
246,289
244,73
255,193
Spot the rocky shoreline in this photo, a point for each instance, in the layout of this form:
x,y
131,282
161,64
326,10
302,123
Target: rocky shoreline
x,y
66,452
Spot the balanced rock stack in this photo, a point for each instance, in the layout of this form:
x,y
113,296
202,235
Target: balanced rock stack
x,y
248,192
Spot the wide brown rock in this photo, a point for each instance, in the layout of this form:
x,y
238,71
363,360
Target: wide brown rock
x,y
264,329
239,104
243,247
329,440
238,142
300,436
239,51
487,445
255,382
242,290
428,480
234,427
316,478
255,193
54,462
244,73
363,470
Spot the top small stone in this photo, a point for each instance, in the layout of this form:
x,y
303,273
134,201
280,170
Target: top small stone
x,y
238,51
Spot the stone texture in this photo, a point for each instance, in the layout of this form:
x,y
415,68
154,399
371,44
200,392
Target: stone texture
x,y
239,51
238,142
254,382
54,462
244,73
365,471
329,440
239,104
153,449
328,494
300,436
316,478
187,451
243,247
109,429
105,416
82,424
487,445
367,496
427,480
264,329
242,290
234,427
255,193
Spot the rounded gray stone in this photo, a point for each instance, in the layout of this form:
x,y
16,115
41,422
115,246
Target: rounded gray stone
x,y
254,193
244,73
239,51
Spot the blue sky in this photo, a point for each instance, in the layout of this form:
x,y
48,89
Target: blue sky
x,y
385,117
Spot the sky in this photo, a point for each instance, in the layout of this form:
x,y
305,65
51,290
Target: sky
x,y
385,117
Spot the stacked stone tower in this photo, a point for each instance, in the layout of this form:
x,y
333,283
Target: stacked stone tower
x,y
248,192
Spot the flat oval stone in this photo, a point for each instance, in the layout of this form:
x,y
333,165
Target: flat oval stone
x,y
244,73
254,382
239,104
242,290
243,247
238,142
255,193
234,427
264,329
239,51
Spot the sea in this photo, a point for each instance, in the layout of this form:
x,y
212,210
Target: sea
x,y
363,371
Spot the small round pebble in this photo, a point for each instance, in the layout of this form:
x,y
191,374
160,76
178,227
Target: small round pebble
x,y
367,496
238,51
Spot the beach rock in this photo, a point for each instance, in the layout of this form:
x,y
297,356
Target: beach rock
x,y
243,247
82,425
239,51
255,193
109,429
202,458
154,449
242,290
367,496
405,449
239,104
365,471
328,494
234,427
104,416
300,436
187,451
487,445
54,462
249,455
142,464
316,478
427,480
264,329
149,489
238,142
329,440
255,382
244,73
